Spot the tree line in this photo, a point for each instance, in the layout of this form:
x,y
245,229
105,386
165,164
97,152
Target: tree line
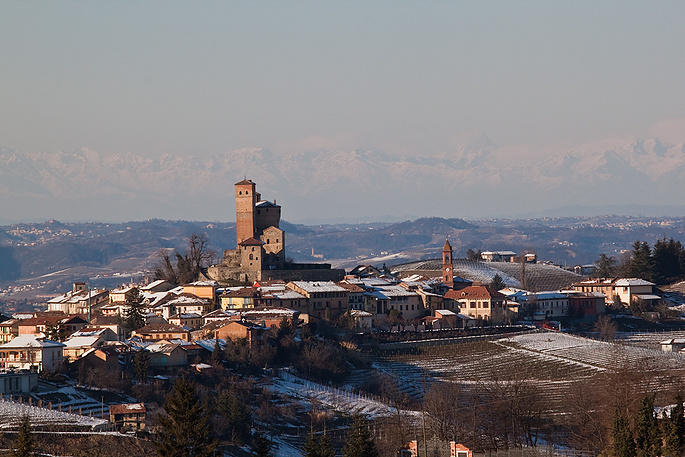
x,y
664,263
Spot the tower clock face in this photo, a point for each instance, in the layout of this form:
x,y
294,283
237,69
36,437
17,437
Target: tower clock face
x,y
447,269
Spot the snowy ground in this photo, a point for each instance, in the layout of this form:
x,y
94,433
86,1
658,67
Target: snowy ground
x,y
333,398
11,413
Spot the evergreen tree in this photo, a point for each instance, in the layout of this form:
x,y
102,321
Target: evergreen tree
x,y
606,266
624,446
326,447
141,365
234,417
641,263
497,283
359,441
185,428
674,430
667,260
25,444
217,354
134,317
261,447
320,447
647,433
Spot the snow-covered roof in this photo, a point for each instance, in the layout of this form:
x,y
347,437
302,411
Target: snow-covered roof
x,y
81,341
319,286
127,408
396,291
203,283
360,313
633,282
286,295
648,297
31,341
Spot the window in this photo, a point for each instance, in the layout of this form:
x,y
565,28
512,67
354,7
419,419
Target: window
x,y
472,304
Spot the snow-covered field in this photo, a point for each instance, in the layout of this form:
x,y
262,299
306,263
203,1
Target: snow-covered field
x,y
552,361
333,398
11,413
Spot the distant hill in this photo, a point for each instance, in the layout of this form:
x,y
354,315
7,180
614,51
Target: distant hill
x,y
54,253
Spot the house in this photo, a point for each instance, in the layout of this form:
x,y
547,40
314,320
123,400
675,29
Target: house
x,y
241,298
673,345
254,334
363,320
395,297
184,304
18,382
79,301
355,295
31,352
113,323
75,347
56,323
9,330
325,299
202,289
498,256
190,320
479,302
122,294
157,286
128,417
620,291
158,332
165,354
218,315
270,317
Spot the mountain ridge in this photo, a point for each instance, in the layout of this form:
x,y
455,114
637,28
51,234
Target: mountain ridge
x,y
474,180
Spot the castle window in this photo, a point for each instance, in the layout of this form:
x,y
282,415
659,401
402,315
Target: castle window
x,y
240,193
250,256
267,241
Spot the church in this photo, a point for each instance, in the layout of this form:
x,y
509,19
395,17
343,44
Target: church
x,y
260,251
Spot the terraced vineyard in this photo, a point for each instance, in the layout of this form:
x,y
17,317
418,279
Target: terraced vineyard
x,y
551,361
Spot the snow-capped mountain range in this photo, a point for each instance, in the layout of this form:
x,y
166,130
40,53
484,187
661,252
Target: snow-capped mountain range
x,y
475,180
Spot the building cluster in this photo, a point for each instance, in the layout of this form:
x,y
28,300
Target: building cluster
x,y
180,323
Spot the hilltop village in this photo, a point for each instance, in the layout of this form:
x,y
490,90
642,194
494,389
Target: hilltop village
x,y
255,308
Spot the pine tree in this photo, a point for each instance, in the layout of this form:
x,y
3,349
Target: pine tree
x,y
134,317
185,428
217,354
497,283
624,446
642,263
321,447
674,430
647,433
141,365
25,443
261,447
234,417
359,441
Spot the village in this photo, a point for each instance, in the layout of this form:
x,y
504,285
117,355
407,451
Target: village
x,y
256,307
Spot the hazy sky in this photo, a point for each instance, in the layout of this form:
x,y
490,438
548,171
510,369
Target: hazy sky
x,y
201,77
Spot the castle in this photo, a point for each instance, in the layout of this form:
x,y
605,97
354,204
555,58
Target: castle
x,y
260,251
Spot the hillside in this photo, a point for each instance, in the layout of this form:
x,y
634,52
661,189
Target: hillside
x,y
43,258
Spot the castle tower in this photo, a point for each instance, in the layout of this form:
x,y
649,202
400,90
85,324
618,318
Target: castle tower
x,y
447,267
245,200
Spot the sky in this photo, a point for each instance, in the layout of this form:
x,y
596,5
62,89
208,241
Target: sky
x,y
410,77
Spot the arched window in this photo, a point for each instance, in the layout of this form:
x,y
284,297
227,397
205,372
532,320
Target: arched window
x,y
251,257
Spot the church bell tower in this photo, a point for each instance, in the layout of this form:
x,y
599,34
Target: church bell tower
x,y
447,267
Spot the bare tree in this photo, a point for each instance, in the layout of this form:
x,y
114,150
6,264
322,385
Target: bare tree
x,y
185,268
